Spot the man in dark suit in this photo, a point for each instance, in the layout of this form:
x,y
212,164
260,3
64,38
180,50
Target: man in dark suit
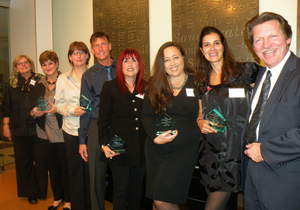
x,y
273,134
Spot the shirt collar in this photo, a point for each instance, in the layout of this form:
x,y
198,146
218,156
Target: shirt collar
x,y
277,69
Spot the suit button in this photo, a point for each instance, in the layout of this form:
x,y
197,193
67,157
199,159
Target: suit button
x,y
137,128
136,119
133,101
135,109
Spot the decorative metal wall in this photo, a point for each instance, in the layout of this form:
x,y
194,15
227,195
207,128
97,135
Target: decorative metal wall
x,y
229,16
127,24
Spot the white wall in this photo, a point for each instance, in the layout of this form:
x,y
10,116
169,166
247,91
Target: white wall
x,y
22,34
44,40
286,8
72,21
160,25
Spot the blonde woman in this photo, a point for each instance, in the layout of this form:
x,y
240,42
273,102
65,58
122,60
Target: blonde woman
x,y
19,126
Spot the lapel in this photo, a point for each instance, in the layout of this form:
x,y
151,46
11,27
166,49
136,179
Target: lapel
x,y
278,90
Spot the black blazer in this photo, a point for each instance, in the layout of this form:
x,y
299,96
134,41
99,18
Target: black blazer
x,y
279,131
119,113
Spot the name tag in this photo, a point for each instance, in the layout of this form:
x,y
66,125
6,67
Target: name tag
x,y
236,93
140,96
189,92
32,82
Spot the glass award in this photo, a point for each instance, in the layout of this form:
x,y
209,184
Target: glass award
x,y
164,123
42,104
117,144
216,120
85,103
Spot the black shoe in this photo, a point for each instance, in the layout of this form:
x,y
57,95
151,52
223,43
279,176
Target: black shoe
x,y
32,200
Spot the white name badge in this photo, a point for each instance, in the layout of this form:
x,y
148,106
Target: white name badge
x,y
32,82
140,96
190,92
236,93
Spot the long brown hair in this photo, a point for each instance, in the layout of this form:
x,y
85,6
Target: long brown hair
x,y
203,66
158,89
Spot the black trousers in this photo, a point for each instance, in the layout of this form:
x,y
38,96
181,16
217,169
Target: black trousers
x,y
78,174
127,186
97,168
24,147
58,169
41,154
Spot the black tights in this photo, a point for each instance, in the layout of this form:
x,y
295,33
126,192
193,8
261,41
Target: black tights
x,y
217,200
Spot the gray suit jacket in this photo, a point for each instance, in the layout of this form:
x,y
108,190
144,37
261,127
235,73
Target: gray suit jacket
x,y
279,131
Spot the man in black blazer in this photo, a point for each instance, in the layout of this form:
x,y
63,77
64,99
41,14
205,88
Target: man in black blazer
x,y
273,152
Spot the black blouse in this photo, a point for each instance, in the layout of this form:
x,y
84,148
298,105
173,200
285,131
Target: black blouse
x,y
18,102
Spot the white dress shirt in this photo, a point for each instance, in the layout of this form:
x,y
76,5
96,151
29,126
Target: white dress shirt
x,y
275,72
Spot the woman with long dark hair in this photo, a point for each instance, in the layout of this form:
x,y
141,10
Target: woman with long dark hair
x,y
169,118
121,101
225,85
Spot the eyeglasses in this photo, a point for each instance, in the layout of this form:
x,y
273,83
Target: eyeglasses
x,y
78,52
22,63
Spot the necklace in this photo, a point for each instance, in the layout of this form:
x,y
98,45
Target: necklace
x,y
179,87
52,83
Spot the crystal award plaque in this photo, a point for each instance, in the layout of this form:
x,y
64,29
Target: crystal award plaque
x,y
117,144
85,103
216,120
164,123
42,104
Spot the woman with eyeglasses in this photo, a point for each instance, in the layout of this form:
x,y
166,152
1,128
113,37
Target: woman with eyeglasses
x,y
19,126
67,102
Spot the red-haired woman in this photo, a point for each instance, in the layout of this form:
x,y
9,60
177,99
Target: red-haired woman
x,y
120,107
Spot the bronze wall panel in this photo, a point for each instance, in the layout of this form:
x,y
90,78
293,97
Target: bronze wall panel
x,y
127,24
230,16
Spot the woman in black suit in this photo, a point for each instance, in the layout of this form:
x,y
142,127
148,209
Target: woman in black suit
x,y
19,126
120,107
